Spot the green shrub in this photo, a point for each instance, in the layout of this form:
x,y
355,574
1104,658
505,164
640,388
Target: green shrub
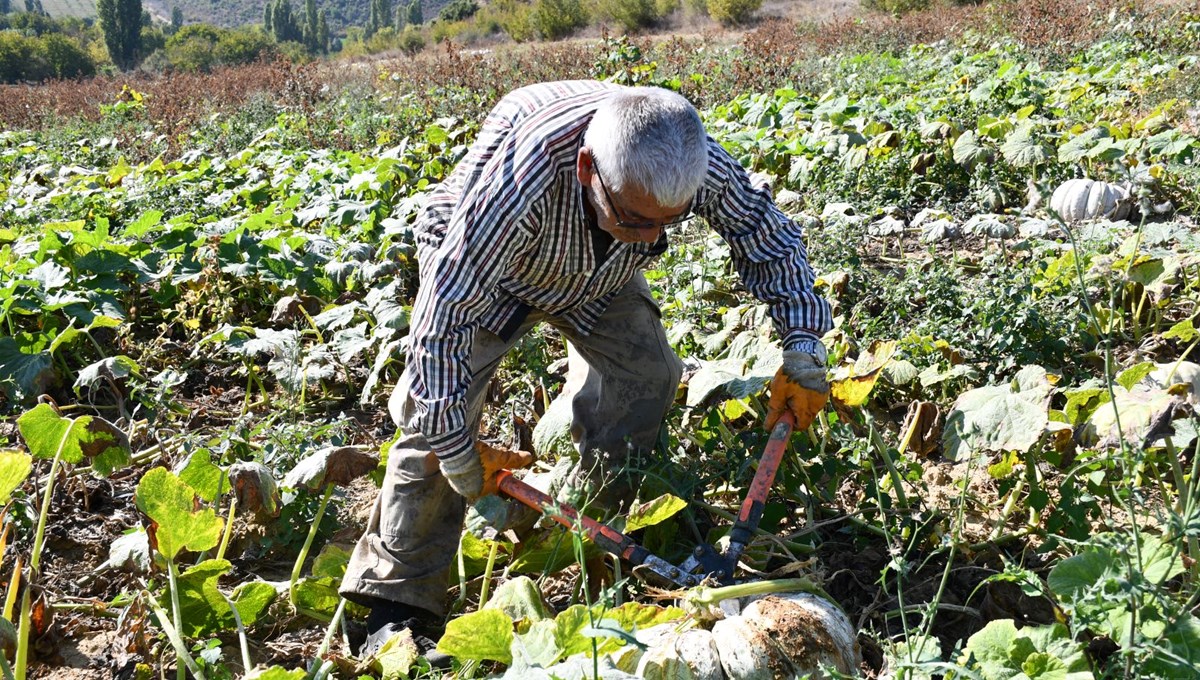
x,y
412,40
631,15
458,10
16,54
896,7
193,48
64,57
555,19
734,12
244,46
515,19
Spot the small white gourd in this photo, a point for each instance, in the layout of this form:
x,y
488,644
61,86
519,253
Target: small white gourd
x,y
1084,199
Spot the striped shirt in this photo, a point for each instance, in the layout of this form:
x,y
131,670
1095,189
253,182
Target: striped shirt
x,y
508,230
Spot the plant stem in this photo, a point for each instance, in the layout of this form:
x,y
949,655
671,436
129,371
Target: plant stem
x,y
333,626
228,528
35,561
172,632
177,617
308,541
462,578
487,574
247,664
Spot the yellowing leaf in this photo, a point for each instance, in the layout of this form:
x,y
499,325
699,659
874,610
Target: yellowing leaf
x,y
654,512
852,385
48,434
170,503
14,468
484,635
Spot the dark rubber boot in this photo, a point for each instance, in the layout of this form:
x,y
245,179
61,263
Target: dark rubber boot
x,y
390,618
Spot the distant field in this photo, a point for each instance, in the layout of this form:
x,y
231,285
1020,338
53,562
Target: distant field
x,y
67,8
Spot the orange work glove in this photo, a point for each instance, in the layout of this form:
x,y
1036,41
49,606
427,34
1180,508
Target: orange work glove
x,y
800,386
495,460
472,473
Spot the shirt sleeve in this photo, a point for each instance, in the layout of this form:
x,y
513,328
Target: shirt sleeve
x,y
487,229
767,249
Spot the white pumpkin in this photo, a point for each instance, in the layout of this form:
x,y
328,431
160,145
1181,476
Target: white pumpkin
x,y
698,649
811,630
1083,199
748,652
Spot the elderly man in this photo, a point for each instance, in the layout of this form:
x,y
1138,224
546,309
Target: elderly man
x,y
569,191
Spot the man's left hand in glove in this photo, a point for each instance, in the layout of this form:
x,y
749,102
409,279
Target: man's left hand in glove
x,y
799,387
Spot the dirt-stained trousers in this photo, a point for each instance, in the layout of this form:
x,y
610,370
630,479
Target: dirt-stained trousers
x,y
413,531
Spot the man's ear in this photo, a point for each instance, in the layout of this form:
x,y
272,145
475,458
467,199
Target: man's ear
x,y
583,166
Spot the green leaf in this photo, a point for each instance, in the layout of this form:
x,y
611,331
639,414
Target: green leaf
x,y
654,512
169,503
90,437
201,606
1077,147
331,562
318,597
1022,147
537,647
1177,652
112,368
1042,666
276,673
147,221
1081,403
208,480
968,151
252,600
14,469
1002,652
630,617
28,371
1134,374
1138,409
484,635
1183,331
1070,578
1001,417
396,657
520,599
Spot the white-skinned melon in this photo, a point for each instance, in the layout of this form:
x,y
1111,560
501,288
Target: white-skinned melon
x,y
1084,199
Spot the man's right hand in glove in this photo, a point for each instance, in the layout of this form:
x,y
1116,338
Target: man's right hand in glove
x,y
799,387
473,474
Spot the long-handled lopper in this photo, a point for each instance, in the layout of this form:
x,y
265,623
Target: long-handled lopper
x,y
705,562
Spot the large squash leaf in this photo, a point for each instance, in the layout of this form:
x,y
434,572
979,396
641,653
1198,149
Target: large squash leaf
x,y
170,503
1009,417
1137,412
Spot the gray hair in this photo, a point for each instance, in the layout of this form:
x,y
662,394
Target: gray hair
x,y
652,139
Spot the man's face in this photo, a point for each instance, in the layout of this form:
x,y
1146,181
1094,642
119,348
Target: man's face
x,y
631,215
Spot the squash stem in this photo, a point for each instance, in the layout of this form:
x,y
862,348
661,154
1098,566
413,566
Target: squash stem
x,y
308,541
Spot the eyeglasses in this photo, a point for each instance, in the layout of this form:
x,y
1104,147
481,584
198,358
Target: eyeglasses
x,y
643,225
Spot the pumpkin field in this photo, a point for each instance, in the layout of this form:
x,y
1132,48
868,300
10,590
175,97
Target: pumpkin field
x,y
206,285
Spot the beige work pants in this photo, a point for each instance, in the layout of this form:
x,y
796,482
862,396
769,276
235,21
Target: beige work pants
x,y
413,532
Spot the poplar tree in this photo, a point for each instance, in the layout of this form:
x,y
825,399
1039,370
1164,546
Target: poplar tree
x,y
121,23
